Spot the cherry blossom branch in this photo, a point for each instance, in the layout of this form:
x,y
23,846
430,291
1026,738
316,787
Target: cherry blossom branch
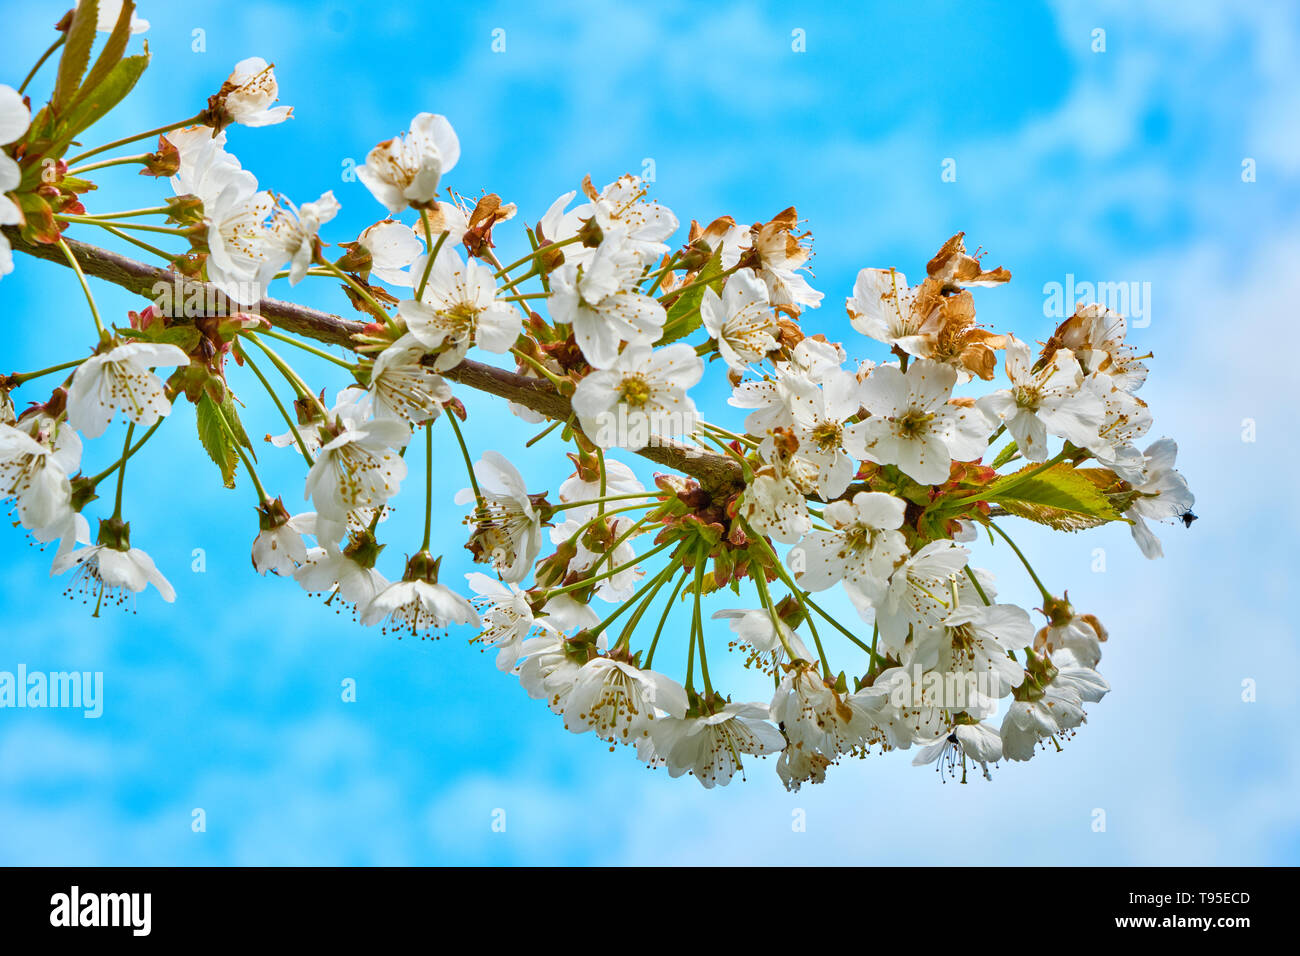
x,y
712,470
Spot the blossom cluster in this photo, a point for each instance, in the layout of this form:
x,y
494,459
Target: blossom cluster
x,y
864,476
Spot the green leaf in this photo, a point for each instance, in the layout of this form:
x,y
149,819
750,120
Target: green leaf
x,y
1118,492
1060,497
110,55
684,313
1005,455
216,440
232,416
93,106
76,54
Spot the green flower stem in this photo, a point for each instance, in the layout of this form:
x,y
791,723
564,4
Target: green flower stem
x,y
85,287
136,138
978,587
616,511
617,541
563,505
428,483
469,465
630,627
604,481
317,273
104,164
765,599
121,472
243,456
587,582
19,377
545,431
433,248
697,621
743,439
293,426
661,273
839,627
154,250
63,38
138,226
699,282
290,375
672,600
514,283
551,376
1047,595
129,213
379,310
505,270
319,353
127,454
812,629
636,597
802,599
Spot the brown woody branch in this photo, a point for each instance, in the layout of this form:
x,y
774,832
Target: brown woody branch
x,y
712,470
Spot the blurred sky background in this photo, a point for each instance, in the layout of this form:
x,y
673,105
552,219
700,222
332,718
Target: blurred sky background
x,y
1122,165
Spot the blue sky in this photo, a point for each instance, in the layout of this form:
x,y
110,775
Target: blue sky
x,y
1122,165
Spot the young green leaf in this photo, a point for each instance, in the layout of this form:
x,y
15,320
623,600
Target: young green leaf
x,y
76,54
95,104
1060,497
684,314
110,55
1005,455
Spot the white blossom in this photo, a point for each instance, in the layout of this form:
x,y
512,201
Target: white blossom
x,y
753,627
418,603
640,398
919,596
598,299
14,120
297,228
1052,708
977,741
393,246
862,549
357,467
1051,400
248,93
618,701
407,170
710,746
507,528
884,308
775,506
120,379
628,221
741,320
1162,495
279,545
506,616
459,308
327,570
1095,335
111,573
913,425
402,387
35,470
